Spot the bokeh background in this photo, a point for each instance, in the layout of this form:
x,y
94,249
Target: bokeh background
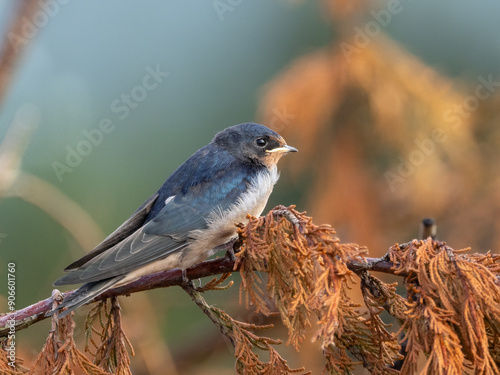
x,y
394,107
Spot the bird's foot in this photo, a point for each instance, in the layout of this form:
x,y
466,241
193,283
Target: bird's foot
x,y
186,282
230,255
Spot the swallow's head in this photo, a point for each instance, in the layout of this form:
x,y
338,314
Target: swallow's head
x,y
253,142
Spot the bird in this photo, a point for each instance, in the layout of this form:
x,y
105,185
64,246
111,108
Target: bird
x,y
194,212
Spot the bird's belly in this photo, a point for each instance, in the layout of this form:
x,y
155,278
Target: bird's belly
x,y
222,225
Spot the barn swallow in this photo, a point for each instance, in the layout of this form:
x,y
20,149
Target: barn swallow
x,y
193,213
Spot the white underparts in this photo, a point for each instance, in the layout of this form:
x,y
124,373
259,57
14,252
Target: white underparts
x,y
221,224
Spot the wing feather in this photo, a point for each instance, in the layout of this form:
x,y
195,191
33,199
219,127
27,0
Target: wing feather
x,y
123,231
134,255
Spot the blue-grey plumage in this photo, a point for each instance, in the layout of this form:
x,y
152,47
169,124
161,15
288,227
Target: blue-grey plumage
x,y
194,212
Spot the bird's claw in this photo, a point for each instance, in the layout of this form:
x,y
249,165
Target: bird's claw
x,y
185,280
230,255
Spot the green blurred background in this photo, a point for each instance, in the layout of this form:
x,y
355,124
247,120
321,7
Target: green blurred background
x,y
219,56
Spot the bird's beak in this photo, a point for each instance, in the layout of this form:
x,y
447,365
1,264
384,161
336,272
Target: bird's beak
x,y
283,149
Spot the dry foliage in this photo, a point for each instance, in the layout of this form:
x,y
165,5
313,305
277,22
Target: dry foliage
x,y
5,368
450,316
453,307
241,335
60,355
246,341
308,276
111,352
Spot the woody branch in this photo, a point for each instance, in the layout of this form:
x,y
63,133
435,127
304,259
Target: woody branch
x,y
32,314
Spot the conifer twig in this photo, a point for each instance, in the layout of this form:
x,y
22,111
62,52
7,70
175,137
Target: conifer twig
x,y
196,296
241,336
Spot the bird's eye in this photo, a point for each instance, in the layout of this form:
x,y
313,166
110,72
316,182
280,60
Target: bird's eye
x,y
261,142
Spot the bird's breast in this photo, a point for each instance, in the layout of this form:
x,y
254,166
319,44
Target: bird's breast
x,y
222,224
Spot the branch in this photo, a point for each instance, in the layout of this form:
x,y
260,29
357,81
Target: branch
x,y
32,314
375,264
36,312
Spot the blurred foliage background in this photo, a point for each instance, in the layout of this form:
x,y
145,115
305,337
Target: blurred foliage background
x,y
393,106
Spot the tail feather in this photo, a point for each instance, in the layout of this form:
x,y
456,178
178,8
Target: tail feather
x,y
84,294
